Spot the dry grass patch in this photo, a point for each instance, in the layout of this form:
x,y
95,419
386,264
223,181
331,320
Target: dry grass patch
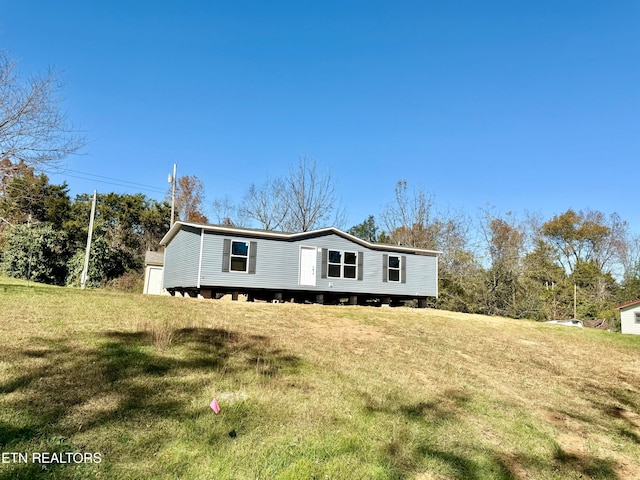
x,y
309,391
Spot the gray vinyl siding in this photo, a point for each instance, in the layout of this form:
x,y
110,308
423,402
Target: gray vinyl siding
x,y
181,259
277,267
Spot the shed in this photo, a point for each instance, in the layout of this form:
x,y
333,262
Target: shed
x,y
630,317
153,272
321,266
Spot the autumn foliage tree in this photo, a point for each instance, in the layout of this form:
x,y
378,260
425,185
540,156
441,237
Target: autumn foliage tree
x,y
189,199
505,245
586,236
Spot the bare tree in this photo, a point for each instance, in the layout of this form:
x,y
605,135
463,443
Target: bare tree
x,y
226,212
33,129
304,200
631,257
268,204
412,220
409,218
311,195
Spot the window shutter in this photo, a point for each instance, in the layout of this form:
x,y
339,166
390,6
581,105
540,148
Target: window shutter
x,y
253,248
385,267
325,255
403,269
360,265
226,254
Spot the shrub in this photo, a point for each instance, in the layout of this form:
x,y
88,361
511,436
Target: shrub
x,y
35,252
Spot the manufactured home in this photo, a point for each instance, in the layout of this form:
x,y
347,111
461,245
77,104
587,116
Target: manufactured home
x,y
320,266
630,317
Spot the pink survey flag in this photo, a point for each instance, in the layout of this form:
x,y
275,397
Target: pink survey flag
x,y
214,406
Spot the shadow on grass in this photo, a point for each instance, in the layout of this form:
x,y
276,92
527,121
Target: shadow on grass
x,y
416,441
124,382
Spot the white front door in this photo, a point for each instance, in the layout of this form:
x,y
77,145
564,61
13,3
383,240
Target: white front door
x,y
308,257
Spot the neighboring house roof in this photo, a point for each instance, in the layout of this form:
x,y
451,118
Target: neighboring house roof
x,y
293,236
628,304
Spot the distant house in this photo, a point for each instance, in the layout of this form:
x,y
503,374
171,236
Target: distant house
x,y
321,266
630,317
568,323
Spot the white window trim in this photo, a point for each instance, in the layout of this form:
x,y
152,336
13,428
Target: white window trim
x,y
342,264
231,257
390,268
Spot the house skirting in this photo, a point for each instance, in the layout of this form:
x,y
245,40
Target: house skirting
x,y
302,296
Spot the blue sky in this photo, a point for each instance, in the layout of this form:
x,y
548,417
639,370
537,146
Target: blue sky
x,y
527,106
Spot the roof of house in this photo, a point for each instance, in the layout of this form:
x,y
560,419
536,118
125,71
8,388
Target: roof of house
x,y
628,304
252,232
153,258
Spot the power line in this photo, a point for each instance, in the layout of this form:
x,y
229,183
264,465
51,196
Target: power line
x,y
151,187
106,180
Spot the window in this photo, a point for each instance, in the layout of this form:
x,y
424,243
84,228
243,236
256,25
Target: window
x,y
239,256
394,269
637,317
350,264
342,264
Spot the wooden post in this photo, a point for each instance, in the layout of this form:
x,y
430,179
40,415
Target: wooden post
x,y
353,300
234,296
422,303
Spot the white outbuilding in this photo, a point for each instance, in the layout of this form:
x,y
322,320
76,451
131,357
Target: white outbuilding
x,y
153,273
630,317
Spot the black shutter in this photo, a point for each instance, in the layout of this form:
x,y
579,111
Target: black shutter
x,y
403,269
385,267
253,249
226,254
325,256
360,265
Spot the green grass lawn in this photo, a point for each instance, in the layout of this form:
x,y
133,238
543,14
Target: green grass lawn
x,y
307,391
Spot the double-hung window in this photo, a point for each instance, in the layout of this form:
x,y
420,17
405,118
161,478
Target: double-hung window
x,y
239,256
394,268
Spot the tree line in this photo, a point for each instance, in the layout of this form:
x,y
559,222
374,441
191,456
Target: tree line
x,y
495,264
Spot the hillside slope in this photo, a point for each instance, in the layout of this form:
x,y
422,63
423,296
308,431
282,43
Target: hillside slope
x,y
307,391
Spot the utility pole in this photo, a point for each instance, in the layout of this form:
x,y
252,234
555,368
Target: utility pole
x,y
575,298
83,278
172,181
30,250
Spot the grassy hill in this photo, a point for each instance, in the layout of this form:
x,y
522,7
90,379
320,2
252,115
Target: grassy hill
x,y
307,391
